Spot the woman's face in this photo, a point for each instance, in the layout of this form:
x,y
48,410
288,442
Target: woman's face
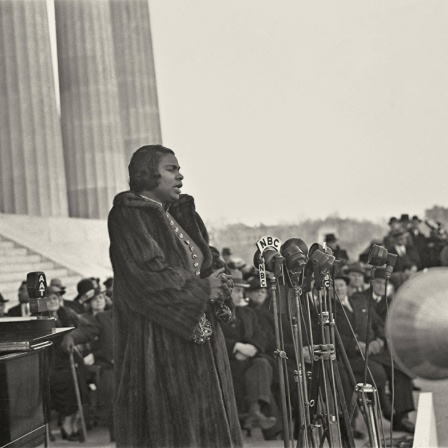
x,y
356,279
53,302
170,182
237,295
98,303
258,295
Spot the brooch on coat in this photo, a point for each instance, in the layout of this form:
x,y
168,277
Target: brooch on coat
x,y
203,331
222,311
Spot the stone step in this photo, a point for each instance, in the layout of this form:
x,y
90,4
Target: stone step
x,y
26,266
19,276
6,244
12,251
18,259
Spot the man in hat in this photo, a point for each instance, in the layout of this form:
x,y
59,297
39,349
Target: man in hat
x,y
380,301
418,241
109,285
405,222
408,258
351,317
226,255
255,293
58,283
23,308
252,373
393,224
341,283
258,300
339,254
356,275
3,303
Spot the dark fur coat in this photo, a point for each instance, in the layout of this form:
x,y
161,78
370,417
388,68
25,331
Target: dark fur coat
x,y
170,392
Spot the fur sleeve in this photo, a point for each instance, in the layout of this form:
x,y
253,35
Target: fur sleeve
x,y
170,296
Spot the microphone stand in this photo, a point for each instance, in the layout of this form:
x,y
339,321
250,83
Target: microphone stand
x,y
368,401
326,382
280,353
299,373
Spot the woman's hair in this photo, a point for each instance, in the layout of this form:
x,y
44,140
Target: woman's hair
x,y
144,167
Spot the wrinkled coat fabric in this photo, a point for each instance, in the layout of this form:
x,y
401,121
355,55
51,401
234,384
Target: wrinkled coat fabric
x,y
170,392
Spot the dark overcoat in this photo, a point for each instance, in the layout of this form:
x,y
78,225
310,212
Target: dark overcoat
x,y
170,391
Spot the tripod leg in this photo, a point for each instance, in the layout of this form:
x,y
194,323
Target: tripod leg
x,y
368,403
344,419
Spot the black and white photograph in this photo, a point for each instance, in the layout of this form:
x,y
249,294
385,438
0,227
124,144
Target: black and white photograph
x,y
223,224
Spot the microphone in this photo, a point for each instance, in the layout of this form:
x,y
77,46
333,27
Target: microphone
x,y
267,258
36,284
294,251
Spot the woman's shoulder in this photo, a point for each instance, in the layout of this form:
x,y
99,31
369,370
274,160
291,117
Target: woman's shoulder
x,y
129,207
246,312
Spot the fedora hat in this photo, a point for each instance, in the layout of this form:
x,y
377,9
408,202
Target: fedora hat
x,y
237,278
355,267
343,277
398,232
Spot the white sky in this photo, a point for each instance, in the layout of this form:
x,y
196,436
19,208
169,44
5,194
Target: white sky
x,y
283,110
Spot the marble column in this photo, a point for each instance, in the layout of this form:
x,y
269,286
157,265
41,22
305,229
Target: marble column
x,y
91,127
32,176
134,61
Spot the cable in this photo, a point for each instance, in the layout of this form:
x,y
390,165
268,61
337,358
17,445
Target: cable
x,y
392,369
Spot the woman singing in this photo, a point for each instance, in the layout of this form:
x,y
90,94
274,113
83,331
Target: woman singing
x,y
172,377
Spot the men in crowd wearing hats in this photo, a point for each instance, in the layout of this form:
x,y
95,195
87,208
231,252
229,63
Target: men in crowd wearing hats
x,y
252,373
3,303
351,317
23,308
339,254
356,274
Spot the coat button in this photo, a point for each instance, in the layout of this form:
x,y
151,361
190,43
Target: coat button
x,y
198,272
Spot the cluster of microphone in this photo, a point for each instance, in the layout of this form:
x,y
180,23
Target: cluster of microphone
x,y
308,273
294,262
300,265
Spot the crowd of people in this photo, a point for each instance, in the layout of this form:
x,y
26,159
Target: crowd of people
x,y
415,251
192,329
90,344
